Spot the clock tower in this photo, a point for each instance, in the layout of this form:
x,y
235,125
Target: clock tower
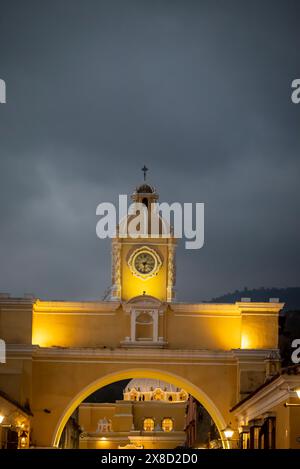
x,y
144,265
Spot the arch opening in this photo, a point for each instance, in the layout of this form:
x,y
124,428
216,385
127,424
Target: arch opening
x,y
194,391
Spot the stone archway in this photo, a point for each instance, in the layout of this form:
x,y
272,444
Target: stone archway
x,y
172,378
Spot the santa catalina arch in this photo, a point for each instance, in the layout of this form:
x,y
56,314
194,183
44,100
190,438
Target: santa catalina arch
x,y
59,352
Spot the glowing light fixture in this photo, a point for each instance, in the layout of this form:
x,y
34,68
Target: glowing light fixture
x,y
228,432
297,390
23,439
1,418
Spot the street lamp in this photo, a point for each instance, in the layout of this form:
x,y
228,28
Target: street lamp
x,y
228,432
23,439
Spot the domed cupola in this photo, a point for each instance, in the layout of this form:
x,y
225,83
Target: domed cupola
x,y
145,189
153,390
145,193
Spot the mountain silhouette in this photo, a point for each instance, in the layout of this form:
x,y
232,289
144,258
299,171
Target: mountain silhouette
x,y
290,296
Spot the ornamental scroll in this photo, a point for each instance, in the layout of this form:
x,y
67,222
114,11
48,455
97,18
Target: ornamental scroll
x,y
171,273
116,271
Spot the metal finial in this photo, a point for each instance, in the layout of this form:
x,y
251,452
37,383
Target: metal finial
x,y
145,169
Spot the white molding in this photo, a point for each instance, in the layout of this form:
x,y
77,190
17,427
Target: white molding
x,y
72,307
263,354
121,352
145,302
226,309
200,315
205,308
268,397
133,355
141,362
259,308
74,313
250,313
143,344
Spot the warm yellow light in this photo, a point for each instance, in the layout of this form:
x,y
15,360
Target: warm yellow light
x,y
228,432
103,438
148,425
298,392
1,418
167,424
245,342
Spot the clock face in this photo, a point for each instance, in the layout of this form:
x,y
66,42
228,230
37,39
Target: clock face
x,y
144,263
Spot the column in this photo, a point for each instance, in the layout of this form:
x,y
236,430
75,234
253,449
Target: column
x,y
133,320
155,325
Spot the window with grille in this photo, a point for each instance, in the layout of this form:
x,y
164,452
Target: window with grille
x,y
167,424
148,425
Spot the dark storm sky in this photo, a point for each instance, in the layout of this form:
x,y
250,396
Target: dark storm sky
x,y
199,91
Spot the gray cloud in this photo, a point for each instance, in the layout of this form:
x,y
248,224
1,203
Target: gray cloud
x,y
199,91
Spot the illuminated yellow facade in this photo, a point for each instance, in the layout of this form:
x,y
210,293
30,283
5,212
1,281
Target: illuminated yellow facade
x,y
14,424
59,352
152,414
270,416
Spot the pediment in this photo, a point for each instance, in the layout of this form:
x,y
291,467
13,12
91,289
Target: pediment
x,y
144,302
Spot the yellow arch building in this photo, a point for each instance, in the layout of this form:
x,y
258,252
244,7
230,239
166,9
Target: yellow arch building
x,y
59,352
